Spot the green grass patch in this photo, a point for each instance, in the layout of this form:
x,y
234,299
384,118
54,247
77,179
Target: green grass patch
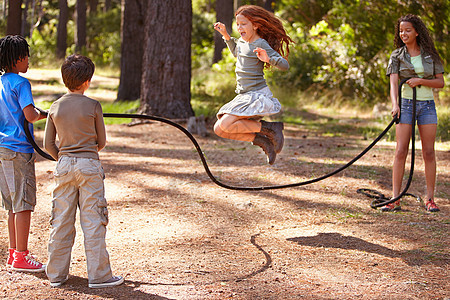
x,y
119,107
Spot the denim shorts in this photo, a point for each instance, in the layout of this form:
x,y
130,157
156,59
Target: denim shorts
x,y
425,112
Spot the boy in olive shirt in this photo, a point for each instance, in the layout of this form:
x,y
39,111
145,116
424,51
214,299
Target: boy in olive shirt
x,y
78,122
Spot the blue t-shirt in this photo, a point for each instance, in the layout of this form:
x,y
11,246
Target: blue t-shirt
x,y
15,95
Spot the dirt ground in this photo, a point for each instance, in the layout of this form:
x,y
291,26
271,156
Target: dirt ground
x,y
174,234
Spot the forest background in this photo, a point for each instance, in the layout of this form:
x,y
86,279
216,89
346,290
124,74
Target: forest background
x,y
338,60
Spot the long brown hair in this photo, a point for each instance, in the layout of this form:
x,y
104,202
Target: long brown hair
x,y
269,27
424,38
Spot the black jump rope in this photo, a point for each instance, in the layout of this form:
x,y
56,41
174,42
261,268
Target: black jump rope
x,y
380,199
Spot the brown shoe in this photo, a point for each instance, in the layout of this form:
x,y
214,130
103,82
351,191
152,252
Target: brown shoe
x,y
274,131
267,146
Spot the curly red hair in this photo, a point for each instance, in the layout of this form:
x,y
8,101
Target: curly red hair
x,y
269,27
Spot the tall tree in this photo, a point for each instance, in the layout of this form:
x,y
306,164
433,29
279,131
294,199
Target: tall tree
x,y
61,38
93,4
80,36
166,76
107,5
24,26
14,22
269,4
224,14
4,9
132,49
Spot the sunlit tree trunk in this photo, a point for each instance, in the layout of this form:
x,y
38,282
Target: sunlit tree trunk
x,y
61,37
133,18
14,22
166,72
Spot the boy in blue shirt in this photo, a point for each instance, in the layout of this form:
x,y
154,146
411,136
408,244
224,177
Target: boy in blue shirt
x,y
17,174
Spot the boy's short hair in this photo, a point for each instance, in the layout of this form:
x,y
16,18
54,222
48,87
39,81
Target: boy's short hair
x,y
76,70
12,49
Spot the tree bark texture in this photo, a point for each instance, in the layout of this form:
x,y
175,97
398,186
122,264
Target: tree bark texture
x,y
166,74
132,49
107,5
93,5
224,14
80,36
61,37
14,22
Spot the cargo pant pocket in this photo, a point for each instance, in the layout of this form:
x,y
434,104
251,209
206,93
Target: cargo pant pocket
x,y
103,211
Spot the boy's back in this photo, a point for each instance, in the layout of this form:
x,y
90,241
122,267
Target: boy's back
x,y
78,120
15,95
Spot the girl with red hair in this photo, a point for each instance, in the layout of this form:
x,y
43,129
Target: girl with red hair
x,y
263,43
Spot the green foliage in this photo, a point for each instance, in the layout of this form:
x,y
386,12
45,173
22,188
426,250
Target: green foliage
x,y
2,27
443,127
354,40
211,90
43,44
202,39
304,59
119,107
103,31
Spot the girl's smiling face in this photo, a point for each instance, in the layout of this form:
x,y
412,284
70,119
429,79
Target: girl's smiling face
x,y
407,33
246,29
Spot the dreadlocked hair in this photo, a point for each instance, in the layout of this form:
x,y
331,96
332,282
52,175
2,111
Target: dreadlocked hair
x,y
12,49
424,38
269,27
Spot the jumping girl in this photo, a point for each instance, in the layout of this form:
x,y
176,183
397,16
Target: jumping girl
x,y
263,43
415,58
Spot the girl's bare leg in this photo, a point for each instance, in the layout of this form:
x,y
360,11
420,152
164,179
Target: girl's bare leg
x,y
428,137
403,133
237,128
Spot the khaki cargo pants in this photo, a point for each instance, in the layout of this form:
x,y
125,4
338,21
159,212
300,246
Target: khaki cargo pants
x,y
79,183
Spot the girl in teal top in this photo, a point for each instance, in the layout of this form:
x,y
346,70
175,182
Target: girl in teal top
x,y
415,58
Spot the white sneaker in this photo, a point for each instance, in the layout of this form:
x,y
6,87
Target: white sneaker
x,y
59,283
113,281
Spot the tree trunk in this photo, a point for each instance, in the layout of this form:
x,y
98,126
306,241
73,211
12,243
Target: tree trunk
x,y
61,38
24,28
80,36
107,5
268,5
224,14
132,49
14,22
4,9
93,4
166,76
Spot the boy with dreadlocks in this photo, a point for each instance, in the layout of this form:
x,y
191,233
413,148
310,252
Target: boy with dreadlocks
x,y
263,43
17,174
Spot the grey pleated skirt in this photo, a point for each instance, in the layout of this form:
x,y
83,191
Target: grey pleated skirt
x,y
252,104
